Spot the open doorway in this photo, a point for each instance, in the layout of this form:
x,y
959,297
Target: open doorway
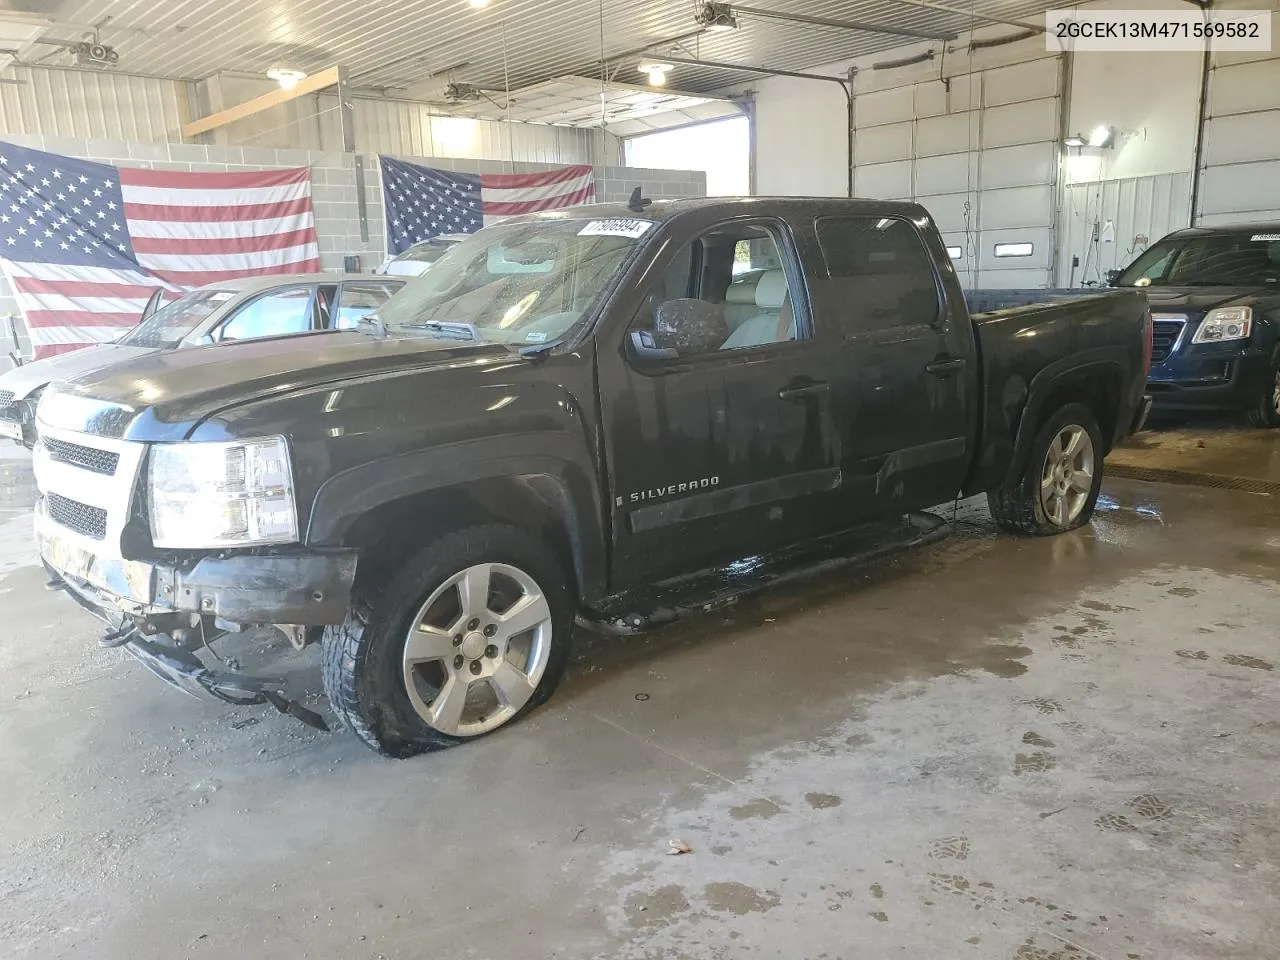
x,y
721,148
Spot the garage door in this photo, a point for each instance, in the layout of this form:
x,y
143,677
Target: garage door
x,y
1240,161
981,153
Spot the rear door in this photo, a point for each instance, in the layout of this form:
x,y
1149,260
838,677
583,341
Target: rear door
x,y
725,447
907,416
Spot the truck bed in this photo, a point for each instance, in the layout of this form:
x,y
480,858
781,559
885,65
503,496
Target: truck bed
x,y
987,301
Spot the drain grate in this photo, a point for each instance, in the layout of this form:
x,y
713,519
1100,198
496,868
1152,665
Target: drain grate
x,y
1189,478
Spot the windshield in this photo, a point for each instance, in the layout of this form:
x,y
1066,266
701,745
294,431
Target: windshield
x,y
517,283
1225,259
167,326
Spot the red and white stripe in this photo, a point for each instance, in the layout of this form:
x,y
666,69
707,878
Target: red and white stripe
x,y
67,307
511,194
195,228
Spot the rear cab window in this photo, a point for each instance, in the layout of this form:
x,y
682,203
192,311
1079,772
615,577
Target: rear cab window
x,y
880,271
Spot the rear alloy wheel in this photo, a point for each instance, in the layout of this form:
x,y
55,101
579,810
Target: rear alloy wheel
x,y
1059,485
1266,412
472,633
1066,478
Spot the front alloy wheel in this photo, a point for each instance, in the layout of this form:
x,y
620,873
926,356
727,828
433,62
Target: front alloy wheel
x,y
478,649
468,635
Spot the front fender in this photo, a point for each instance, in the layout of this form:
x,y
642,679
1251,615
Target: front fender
x,y
555,459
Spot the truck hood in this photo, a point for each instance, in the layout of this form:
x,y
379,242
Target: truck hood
x,y
25,380
163,396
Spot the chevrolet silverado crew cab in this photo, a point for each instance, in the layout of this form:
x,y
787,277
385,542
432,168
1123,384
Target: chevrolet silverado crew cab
x,y
1215,308
569,416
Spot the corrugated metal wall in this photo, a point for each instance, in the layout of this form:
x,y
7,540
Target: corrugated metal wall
x,y
74,103
115,106
1128,215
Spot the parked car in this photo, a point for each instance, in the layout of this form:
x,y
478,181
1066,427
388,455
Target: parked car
x,y
222,312
609,415
418,259
1215,305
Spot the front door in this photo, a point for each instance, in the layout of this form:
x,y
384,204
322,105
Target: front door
x,y
909,413
720,435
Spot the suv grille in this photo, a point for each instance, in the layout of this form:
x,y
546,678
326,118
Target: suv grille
x,y
1164,334
80,517
6,397
91,458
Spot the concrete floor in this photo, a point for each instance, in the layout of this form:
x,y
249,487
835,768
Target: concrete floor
x,y
990,748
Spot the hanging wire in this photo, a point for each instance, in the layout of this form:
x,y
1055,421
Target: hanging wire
x,y
290,123
970,241
604,110
506,82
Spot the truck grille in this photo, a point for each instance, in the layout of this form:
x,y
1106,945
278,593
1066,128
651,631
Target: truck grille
x,y
1164,337
6,397
80,517
91,458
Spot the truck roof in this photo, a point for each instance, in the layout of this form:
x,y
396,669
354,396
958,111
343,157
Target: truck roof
x,y
662,210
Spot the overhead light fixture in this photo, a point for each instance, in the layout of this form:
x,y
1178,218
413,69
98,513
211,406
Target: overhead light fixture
x,y
717,17
478,4
657,72
1102,136
1076,140
287,77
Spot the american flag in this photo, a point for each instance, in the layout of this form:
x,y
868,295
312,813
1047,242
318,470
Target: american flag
x,y
423,202
85,244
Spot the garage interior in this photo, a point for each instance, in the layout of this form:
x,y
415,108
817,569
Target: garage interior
x,y
991,747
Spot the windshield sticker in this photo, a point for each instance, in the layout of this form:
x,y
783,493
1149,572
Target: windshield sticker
x,y
1258,237
616,228
538,336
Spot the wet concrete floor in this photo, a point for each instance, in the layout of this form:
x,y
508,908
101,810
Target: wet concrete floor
x,y
1214,446
989,748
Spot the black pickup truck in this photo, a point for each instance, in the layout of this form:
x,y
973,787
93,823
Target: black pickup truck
x,y
1215,306
569,416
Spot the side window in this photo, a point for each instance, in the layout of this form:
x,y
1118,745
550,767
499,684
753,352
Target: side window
x,y
727,290
359,299
272,314
880,270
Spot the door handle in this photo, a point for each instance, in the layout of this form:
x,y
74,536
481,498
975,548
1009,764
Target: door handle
x,y
800,391
945,366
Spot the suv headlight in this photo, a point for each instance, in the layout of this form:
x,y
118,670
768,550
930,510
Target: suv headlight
x,y
1225,323
221,494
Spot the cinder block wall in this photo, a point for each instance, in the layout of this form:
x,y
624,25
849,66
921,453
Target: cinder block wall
x,y
333,190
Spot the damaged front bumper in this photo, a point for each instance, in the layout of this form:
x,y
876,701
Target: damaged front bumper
x,y
146,604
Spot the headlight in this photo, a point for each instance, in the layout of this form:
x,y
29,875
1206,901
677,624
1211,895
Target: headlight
x,y
221,494
1225,323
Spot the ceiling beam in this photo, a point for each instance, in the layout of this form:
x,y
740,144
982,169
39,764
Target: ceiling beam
x,y
308,84
845,24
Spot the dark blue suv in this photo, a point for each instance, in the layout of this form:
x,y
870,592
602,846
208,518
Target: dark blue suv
x,y
1215,310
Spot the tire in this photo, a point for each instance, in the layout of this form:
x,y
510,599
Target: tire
x,y
1020,507
389,694
1265,412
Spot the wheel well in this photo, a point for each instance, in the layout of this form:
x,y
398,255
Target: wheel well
x,y
391,532
1100,392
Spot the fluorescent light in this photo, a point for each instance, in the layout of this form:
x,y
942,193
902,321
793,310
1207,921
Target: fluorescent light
x,y
1102,136
287,77
478,4
1075,141
1015,249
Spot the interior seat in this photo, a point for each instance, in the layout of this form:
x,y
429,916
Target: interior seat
x,y
774,320
740,301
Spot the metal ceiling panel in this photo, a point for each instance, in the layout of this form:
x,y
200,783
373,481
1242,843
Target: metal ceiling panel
x,y
507,45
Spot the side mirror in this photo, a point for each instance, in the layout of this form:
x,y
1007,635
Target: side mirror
x,y
1113,276
153,303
